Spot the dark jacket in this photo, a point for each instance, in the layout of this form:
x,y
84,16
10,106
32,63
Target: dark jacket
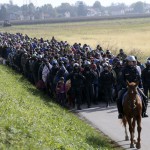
x,y
106,79
130,74
118,71
90,77
146,76
77,79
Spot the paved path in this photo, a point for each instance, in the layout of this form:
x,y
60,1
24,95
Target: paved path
x,y
105,119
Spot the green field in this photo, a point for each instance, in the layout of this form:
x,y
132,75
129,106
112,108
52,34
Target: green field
x,y
29,120
128,34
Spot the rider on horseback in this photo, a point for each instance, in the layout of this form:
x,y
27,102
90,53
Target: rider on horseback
x,y
131,74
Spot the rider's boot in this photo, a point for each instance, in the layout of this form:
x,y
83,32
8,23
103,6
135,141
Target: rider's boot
x,y
120,109
144,113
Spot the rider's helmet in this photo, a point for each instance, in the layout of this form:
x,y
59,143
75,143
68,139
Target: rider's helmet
x,y
131,61
130,58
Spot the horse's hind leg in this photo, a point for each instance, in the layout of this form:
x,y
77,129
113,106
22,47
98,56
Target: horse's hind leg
x,y
139,128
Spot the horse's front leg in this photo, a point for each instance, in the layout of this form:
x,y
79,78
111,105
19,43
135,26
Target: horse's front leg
x,y
139,128
126,134
131,132
133,125
125,127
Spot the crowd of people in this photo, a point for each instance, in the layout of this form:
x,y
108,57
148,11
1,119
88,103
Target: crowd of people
x,y
75,74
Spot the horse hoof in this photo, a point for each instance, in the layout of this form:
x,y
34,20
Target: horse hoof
x,y
132,146
138,146
126,138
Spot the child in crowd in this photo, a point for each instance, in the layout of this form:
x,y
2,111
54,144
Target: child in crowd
x,y
61,92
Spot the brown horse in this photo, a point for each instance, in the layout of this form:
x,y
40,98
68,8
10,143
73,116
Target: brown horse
x,y
132,108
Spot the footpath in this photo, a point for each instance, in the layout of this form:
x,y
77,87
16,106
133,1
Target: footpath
x,y
105,120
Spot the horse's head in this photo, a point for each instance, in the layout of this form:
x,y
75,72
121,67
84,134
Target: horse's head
x,y
132,87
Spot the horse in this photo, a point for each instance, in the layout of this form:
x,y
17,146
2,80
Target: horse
x,y
132,108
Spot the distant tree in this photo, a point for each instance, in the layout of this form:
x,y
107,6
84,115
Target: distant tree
x,y
138,7
37,13
28,10
97,5
81,9
24,10
31,9
10,2
3,13
66,7
116,7
11,8
121,6
48,9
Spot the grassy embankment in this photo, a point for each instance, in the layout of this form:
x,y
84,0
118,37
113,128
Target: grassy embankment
x,y
30,120
128,34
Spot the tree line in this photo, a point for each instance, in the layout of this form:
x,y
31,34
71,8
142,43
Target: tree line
x,y
11,11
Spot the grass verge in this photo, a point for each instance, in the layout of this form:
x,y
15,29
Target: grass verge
x,y
30,120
